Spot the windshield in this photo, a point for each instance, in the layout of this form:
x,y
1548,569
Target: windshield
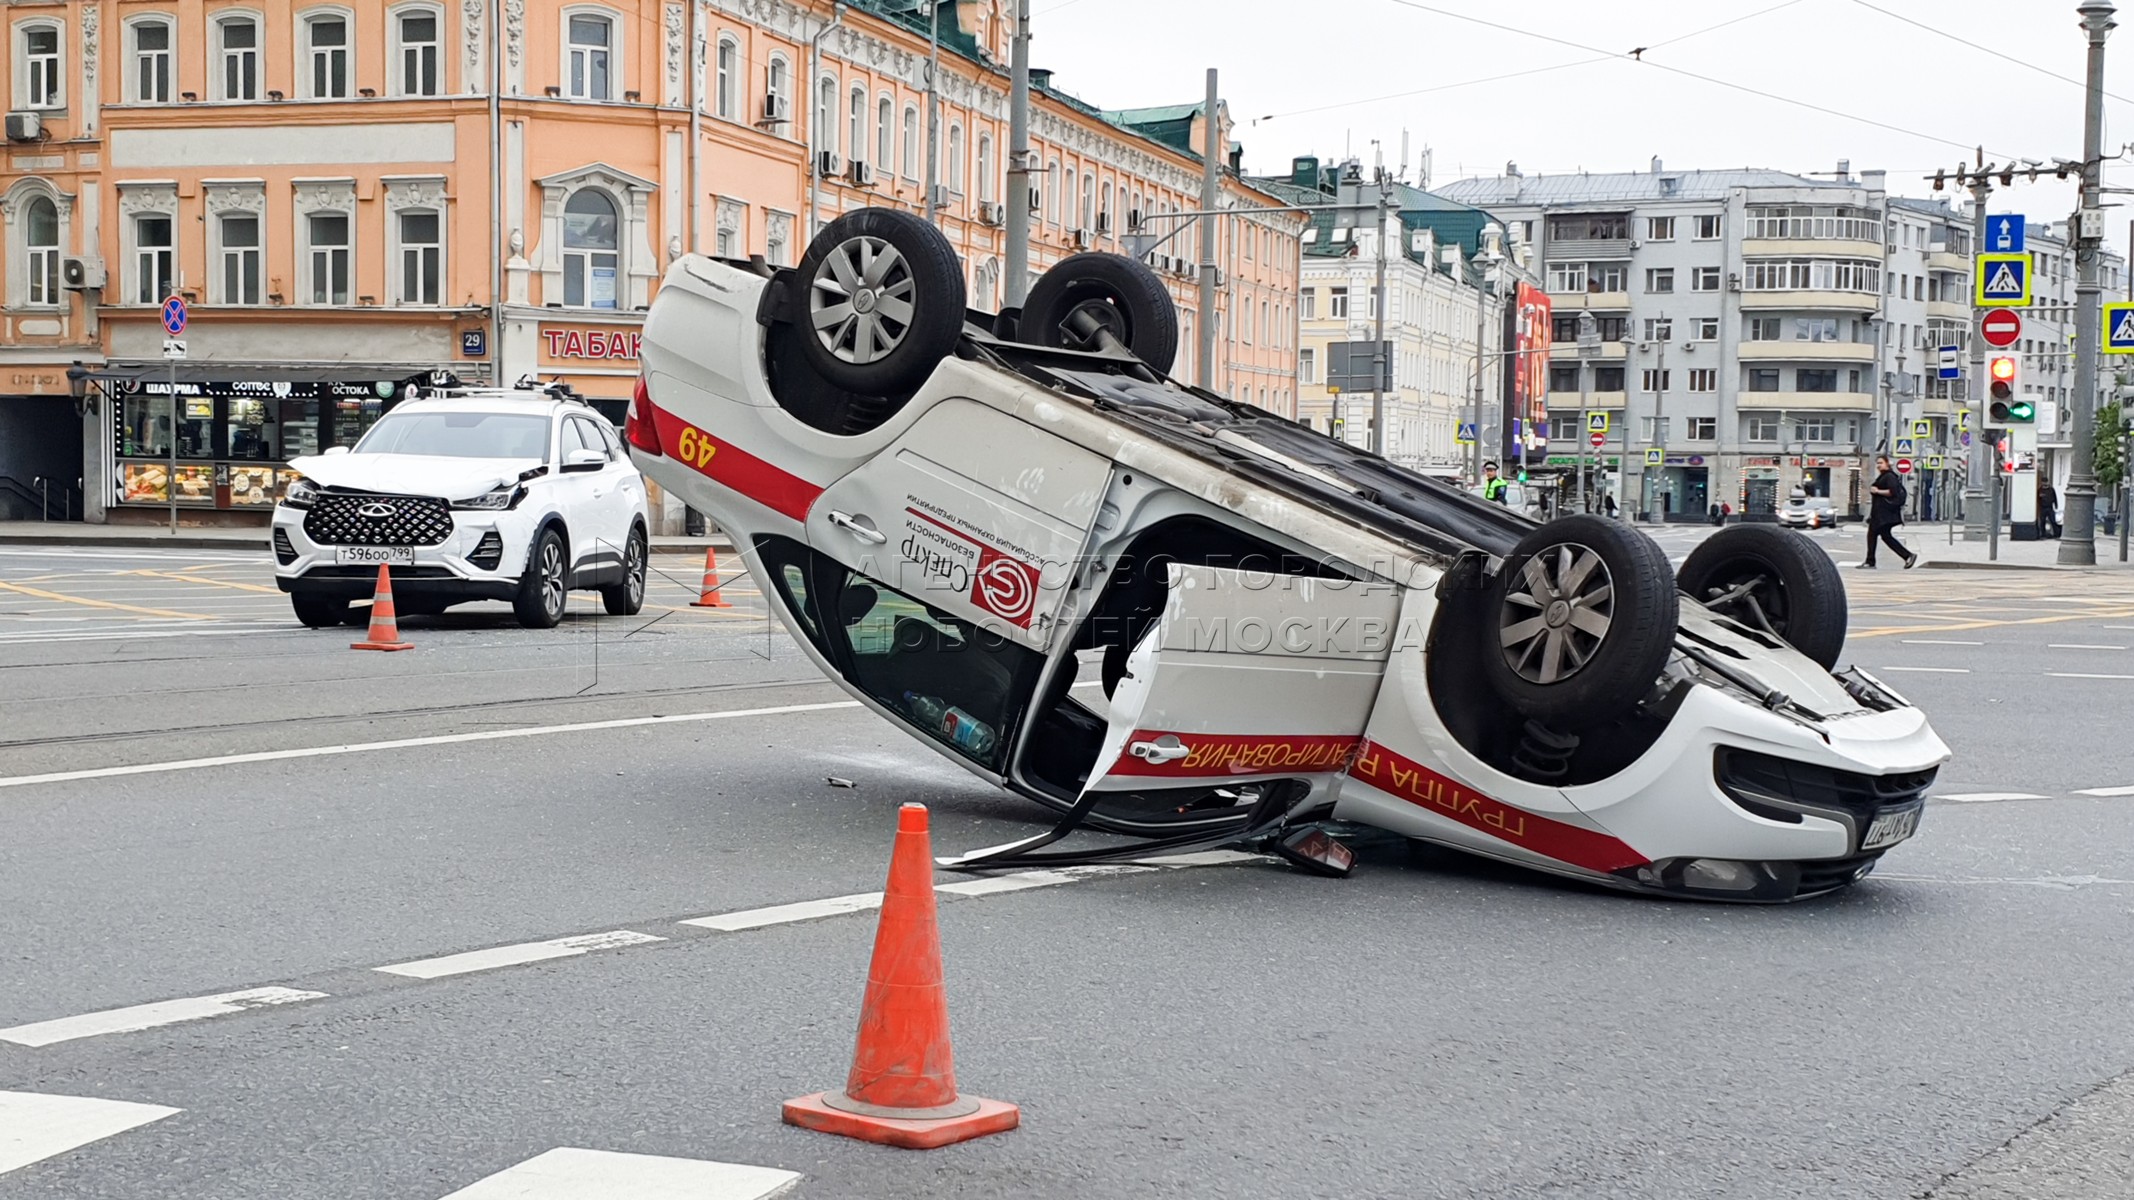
x,y
458,435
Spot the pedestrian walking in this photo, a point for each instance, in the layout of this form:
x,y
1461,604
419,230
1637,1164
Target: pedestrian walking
x,y
1608,504
2048,511
1886,513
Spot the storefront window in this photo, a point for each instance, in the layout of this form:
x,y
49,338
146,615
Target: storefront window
x,y
144,427
352,416
248,432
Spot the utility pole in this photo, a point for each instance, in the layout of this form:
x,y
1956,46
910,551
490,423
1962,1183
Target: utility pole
x,y
933,110
1378,344
1211,152
1481,360
1588,349
1647,482
1018,197
1976,469
2078,540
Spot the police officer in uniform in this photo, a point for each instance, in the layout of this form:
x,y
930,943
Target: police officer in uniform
x,y
1493,488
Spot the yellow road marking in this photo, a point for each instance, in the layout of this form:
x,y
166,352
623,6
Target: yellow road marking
x,y
1951,628
41,594
249,587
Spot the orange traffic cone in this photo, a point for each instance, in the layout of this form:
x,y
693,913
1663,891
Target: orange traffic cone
x,y
902,1090
384,624
710,597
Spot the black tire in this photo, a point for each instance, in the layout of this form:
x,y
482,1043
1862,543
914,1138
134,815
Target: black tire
x,y
1552,664
357,618
1122,293
319,612
897,281
1794,588
627,599
544,587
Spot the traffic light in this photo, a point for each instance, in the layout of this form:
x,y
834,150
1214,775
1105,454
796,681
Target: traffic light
x,y
2003,406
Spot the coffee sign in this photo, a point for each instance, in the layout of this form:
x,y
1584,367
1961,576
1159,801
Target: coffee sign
x,y
593,343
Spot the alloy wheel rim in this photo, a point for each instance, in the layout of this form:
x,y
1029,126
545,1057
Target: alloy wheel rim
x,y
636,569
552,576
1557,613
860,303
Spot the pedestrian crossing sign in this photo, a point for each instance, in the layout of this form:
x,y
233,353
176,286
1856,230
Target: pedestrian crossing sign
x,y
1904,447
1597,422
1466,434
1655,457
2002,281
1963,420
2119,329
1934,462
1922,429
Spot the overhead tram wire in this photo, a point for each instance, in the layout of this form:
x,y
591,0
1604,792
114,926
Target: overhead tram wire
x,y
1998,55
1638,56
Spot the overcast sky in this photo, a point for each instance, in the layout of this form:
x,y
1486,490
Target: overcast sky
x,y
1307,78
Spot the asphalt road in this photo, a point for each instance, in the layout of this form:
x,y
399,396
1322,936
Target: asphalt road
x,y
1431,1026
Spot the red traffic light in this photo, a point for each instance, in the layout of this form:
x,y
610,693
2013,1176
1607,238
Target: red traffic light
x,y
2002,368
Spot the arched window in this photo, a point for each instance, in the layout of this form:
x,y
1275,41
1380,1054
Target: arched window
x,y
727,81
1104,207
589,57
856,113
822,122
911,142
1052,192
151,49
590,259
885,134
326,45
236,74
955,179
417,35
41,240
1088,215
1067,205
985,166
38,62
778,86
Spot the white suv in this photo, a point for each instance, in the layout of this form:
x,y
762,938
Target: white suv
x,y
494,495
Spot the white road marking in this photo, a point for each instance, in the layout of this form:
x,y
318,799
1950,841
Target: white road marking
x,y
1987,797
34,1126
158,554
995,884
1204,858
1936,642
512,956
446,739
1914,670
2110,791
149,1016
786,914
567,1173
2083,675
2079,646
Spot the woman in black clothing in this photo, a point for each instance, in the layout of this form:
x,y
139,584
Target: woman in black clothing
x,y
1886,513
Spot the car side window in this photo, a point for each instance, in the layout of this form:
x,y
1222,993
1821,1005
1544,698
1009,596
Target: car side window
x,y
573,438
614,443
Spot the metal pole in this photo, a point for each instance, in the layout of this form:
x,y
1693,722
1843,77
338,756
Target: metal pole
x,y
1976,472
2078,539
1211,152
1481,352
1378,344
815,136
1018,197
171,486
1993,498
2124,495
933,109
1588,347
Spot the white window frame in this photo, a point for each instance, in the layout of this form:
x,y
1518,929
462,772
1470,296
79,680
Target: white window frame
x,y
40,264
1716,222
401,249
726,77
616,58
911,141
220,55
1704,279
778,83
307,65
1761,428
985,166
1337,304
856,122
310,252
1701,429
137,255
397,49
1704,329
589,256
219,282
1308,365
824,112
885,133
956,180
27,70
1310,304
1659,229
1704,379
136,58
1651,376
1654,276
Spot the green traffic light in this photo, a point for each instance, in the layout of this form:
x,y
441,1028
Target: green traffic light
x,y
2023,411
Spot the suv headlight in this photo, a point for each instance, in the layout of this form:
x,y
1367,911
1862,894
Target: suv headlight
x,y
495,500
302,493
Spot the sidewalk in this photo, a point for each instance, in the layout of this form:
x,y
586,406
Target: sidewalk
x,y
1931,542
190,537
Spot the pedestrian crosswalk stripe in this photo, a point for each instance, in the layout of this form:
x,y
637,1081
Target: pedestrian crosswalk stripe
x,y
137,1017
2003,282
566,1173
34,1127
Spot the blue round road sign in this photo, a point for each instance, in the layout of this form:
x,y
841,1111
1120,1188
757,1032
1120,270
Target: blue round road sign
x,y
174,315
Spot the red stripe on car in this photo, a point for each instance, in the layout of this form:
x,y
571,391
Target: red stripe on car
x,y
724,463
1221,755
1398,775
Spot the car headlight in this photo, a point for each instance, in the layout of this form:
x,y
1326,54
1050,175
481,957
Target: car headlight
x,y
495,500
302,493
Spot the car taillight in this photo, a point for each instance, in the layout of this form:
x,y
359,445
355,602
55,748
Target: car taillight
x,y
638,427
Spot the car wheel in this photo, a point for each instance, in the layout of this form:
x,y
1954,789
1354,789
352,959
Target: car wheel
x,y
882,300
1120,294
1768,579
1584,614
627,598
318,612
542,587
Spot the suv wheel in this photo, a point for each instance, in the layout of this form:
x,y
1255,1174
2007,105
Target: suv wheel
x,y
1773,579
625,599
543,586
1117,294
319,612
881,300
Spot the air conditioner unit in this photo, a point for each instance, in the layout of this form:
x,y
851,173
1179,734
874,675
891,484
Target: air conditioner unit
x,y
828,164
989,213
25,127
1188,269
860,173
1162,262
1133,218
1081,239
941,195
1220,278
1037,200
1103,222
774,111
83,273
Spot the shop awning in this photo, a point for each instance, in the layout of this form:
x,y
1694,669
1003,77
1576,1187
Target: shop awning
x,y
198,371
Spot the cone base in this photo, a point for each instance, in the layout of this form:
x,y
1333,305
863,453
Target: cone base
x,y
709,604
381,645
993,1116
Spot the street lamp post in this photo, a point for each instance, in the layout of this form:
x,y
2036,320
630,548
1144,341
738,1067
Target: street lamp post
x,y
2078,541
1588,349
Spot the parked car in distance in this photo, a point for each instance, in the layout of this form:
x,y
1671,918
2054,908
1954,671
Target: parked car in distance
x,y
1802,511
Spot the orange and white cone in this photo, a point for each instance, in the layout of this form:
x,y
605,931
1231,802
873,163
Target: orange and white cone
x,y
384,623
710,595
902,1089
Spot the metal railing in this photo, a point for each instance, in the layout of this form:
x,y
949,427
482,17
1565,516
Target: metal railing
x,y
41,499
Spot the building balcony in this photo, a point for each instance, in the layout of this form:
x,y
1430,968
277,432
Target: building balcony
x,y
1565,404
1568,351
1805,401
1863,302
1602,249
1810,248
1593,300
1948,310
1943,260
1807,352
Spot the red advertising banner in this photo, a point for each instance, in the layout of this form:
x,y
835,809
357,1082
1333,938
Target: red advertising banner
x,y
1526,391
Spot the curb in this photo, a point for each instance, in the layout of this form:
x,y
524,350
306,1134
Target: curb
x,y
1946,565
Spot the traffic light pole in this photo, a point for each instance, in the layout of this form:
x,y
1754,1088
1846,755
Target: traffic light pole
x,y
2078,539
1976,470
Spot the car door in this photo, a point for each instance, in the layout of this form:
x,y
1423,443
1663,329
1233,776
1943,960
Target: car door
x,y
575,494
1248,677
611,497
972,512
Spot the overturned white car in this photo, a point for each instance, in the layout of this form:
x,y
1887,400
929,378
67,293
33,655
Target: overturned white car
x,y
1163,614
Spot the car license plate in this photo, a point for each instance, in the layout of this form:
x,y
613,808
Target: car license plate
x,y
1891,828
371,556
